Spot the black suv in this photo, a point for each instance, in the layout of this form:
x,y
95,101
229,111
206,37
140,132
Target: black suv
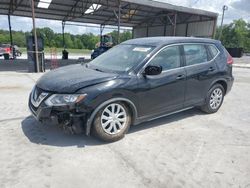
x,y
136,81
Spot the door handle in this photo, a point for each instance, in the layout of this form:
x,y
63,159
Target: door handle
x,y
211,69
179,77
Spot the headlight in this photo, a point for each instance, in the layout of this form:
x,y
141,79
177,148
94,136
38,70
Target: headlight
x,y
64,99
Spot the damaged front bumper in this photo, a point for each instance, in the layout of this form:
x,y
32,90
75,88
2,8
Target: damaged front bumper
x,y
65,116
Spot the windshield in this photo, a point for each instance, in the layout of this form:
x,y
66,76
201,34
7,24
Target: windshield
x,y
121,58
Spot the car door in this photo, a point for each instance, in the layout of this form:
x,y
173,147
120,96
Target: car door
x,y
200,73
164,92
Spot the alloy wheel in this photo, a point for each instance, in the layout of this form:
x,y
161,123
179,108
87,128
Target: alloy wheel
x,y
113,118
216,98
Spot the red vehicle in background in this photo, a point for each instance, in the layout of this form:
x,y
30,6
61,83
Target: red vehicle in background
x,y
8,53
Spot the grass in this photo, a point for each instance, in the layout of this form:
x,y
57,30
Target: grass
x,y
59,50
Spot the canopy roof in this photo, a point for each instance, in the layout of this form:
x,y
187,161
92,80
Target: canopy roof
x,y
105,12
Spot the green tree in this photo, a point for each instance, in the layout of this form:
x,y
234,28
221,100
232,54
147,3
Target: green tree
x,y
58,41
236,35
126,35
48,36
4,36
52,39
19,38
89,40
68,41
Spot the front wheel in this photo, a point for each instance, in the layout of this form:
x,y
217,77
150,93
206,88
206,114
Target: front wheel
x,y
112,122
214,99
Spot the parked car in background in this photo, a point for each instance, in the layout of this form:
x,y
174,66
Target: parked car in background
x,y
6,51
136,81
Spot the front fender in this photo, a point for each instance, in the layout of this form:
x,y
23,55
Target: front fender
x,y
104,93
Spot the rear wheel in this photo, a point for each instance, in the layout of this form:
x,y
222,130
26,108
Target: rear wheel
x,y
112,122
214,99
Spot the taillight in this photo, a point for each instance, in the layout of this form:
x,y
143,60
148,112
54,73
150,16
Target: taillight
x,y
7,50
229,59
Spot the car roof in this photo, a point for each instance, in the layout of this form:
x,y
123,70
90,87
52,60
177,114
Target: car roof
x,y
159,41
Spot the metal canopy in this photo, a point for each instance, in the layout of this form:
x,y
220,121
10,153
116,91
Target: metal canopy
x,y
133,13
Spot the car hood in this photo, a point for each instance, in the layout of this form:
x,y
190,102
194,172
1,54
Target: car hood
x,y
71,78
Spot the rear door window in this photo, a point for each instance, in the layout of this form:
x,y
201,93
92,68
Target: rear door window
x,y
195,54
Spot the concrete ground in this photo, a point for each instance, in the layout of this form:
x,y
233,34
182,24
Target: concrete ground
x,y
189,149
243,62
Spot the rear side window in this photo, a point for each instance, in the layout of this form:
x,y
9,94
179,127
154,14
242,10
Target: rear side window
x,y
213,50
195,54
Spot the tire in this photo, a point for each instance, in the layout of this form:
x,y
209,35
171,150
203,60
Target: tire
x,y
108,125
214,99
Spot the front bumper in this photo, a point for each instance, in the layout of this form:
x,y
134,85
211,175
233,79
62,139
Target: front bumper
x,y
65,116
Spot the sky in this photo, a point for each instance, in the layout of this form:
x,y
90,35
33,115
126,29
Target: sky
x,y
236,9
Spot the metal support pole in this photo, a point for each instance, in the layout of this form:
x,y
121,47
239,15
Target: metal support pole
x,y
119,20
11,38
175,20
147,30
100,34
222,19
214,28
165,26
63,26
101,31
186,33
35,36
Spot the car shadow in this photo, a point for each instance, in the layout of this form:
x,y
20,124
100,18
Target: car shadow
x,y
48,134
165,120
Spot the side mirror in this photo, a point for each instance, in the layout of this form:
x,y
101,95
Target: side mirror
x,y
152,70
